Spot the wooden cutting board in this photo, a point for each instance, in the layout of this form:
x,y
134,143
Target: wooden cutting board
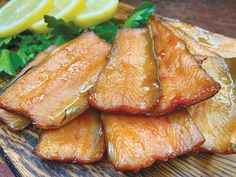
x,y
17,150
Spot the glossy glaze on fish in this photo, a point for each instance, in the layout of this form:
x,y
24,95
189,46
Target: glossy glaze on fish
x,y
81,140
221,45
216,117
182,80
136,142
13,121
193,46
129,82
56,91
34,63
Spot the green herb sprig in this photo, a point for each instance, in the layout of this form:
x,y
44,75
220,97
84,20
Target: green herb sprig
x,y
140,15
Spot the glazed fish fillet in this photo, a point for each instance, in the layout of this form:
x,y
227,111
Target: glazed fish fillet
x,y
193,46
81,140
56,91
182,80
13,121
129,82
216,117
221,45
136,142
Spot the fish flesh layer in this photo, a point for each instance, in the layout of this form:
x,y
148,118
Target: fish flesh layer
x,y
81,140
136,142
129,82
56,91
182,80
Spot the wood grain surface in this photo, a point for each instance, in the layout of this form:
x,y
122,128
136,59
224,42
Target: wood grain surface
x,y
17,148
4,169
18,153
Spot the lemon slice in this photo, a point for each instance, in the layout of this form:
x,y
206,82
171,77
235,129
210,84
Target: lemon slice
x,y
96,11
62,9
18,15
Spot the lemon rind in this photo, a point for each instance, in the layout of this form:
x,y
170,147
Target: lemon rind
x,y
27,21
67,15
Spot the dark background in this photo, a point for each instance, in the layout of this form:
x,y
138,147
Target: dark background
x,y
215,15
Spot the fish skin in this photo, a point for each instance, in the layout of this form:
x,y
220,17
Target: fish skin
x,y
80,141
56,91
182,80
136,142
129,82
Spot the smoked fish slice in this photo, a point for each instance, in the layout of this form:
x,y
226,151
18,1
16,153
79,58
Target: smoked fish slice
x,y
81,140
221,45
13,121
56,91
193,46
6,81
129,82
182,80
216,117
136,142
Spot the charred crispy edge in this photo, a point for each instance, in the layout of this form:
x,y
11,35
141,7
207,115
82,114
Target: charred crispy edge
x,y
123,108
74,159
194,148
182,104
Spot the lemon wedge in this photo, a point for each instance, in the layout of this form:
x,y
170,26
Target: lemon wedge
x,y
18,15
96,11
62,9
